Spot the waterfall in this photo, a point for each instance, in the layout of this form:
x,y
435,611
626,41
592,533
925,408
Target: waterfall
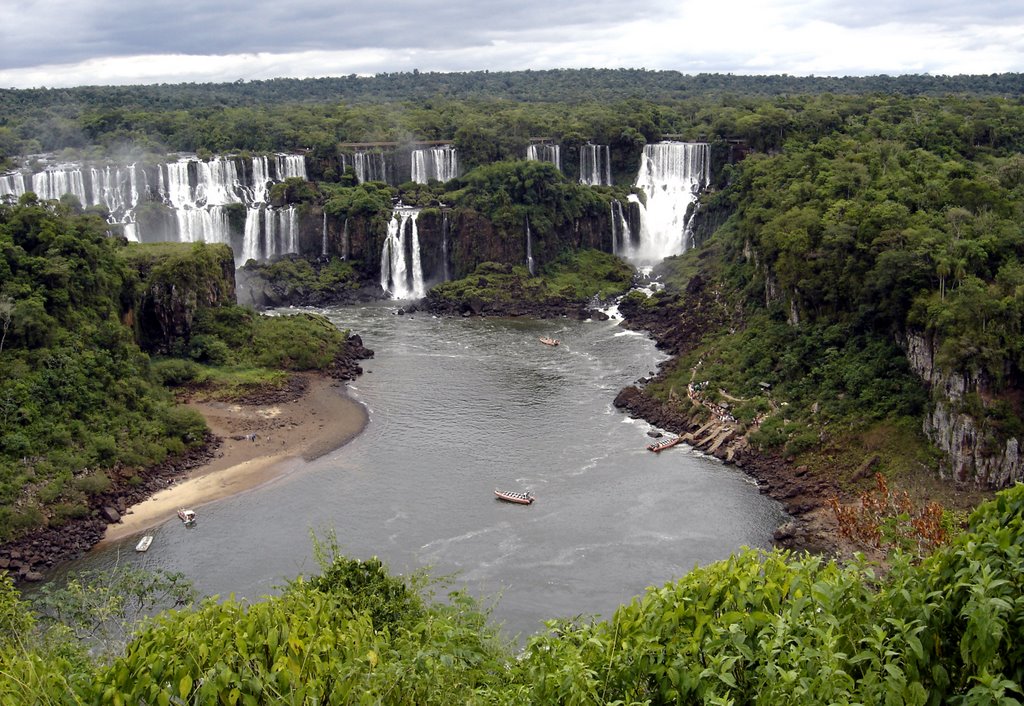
x,y
529,248
370,166
252,239
289,166
323,239
53,183
401,272
269,233
621,237
260,180
440,163
444,245
595,165
12,185
344,240
113,188
202,224
192,183
196,191
540,152
671,175
287,236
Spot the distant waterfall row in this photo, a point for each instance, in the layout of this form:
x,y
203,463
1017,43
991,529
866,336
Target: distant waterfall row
x,y
440,163
227,200
196,191
543,152
369,166
595,165
595,161
115,188
423,165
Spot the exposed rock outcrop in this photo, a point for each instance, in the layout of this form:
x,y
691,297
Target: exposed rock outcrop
x,y
975,451
811,526
177,282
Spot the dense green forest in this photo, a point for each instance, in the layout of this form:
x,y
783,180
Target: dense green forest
x,y
846,218
904,217
86,394
758,628
606,106
552,86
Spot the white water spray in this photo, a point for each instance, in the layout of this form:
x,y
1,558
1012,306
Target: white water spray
x,y
441,163
671,176
540,152
402,277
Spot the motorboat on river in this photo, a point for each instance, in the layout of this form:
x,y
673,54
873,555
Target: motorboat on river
x,y
664,443
188,517
512,496
144,543
548,341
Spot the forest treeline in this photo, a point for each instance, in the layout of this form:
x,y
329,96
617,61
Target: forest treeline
x,y
315,114
553,86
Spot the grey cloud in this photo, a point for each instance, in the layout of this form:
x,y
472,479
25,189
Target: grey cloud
x,y
202,27
871,13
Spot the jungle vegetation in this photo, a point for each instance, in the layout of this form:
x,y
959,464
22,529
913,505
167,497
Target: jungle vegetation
x,y
851,213
85,395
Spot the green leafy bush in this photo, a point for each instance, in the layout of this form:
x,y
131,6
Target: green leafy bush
x,y
174,372
759,627
93,483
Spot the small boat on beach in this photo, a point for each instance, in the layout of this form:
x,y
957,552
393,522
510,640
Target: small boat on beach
x,y
144,543
512,496
662,444
548,341
188,517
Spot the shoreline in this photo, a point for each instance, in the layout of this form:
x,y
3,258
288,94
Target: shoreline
x,y
247,444
259,443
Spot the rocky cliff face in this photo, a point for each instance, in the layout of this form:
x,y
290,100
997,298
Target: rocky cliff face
x,y
974,451
177,281
452,242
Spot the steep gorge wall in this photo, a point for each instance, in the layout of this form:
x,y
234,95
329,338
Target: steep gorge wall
x,y
957,422
452,241
176,283
975,452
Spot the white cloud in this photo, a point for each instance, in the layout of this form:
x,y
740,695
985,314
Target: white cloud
x,y
65,43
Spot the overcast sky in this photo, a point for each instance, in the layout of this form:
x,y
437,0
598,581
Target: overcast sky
x,y
56,43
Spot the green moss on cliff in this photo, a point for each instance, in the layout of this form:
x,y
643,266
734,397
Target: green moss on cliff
x,y
575,279
296,279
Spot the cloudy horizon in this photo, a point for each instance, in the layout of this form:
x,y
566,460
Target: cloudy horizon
x,y
63,43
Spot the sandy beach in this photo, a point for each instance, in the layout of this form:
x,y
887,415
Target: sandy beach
x,y
260,442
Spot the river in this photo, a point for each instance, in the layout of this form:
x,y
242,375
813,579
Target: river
x,y
459,407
